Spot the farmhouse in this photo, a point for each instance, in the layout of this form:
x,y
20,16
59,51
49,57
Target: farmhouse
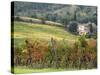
x,y
83,29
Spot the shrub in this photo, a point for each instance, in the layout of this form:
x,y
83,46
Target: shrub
x,y
58,54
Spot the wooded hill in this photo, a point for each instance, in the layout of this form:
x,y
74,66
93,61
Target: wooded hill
x,y
60,13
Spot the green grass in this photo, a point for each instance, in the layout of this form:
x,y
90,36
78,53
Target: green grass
x,y
24,70
20,70
28,30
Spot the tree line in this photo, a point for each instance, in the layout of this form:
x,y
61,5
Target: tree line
x,y
60,13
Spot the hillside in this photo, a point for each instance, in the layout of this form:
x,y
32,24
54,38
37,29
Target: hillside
x,y
55,12
24,30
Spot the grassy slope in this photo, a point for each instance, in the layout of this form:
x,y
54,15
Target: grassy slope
x,y
40,31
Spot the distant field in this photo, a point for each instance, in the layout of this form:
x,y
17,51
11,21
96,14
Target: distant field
x,y
24,30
